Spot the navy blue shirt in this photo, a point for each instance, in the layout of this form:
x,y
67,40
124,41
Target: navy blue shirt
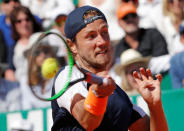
x,y
120,114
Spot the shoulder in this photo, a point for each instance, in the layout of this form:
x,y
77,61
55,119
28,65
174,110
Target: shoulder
x,y
60,85
151,31
64,74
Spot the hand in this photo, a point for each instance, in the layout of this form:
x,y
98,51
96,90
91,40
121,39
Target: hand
x,y
104,90
10,75
148,87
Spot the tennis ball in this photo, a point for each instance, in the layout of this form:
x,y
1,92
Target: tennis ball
x,y
49,68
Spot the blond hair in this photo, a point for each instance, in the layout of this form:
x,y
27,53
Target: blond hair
x,y
167,12
90,13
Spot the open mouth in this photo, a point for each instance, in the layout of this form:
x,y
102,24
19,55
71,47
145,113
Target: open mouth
x,y
102,52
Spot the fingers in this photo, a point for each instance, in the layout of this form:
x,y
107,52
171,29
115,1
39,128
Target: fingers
x,y
159,77
136,77
104,90
143,76
149,74
143,73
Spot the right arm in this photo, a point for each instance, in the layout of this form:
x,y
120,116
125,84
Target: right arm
x,y
86,119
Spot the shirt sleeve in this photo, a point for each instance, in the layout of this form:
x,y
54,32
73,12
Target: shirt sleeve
x,y
65,100
62,119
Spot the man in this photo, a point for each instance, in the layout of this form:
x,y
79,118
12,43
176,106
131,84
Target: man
x,y
103,107
149,42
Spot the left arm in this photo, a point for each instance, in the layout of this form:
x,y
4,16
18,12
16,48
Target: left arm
x,y
151,93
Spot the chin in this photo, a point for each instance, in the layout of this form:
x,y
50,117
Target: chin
x,y
132,30
104,63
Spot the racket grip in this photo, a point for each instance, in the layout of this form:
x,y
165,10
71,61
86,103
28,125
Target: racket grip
x,y
94,79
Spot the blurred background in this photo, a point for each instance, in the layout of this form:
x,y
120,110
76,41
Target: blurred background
x,y
144,33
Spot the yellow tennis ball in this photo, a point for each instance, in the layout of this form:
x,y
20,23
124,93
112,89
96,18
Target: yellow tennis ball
x,y
49,68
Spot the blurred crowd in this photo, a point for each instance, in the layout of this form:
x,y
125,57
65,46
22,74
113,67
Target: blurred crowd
x,y
144,33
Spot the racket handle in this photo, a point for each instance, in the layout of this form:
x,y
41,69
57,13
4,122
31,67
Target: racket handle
x,y
94,79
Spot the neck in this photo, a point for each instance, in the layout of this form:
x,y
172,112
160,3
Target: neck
x,y
24,41
26,36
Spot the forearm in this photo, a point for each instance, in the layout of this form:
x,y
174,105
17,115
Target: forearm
x,y
89,111
87,120
158,120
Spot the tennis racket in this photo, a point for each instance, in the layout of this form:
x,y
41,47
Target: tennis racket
x,y
36,50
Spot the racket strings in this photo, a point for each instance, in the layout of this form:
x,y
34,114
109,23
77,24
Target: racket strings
x,y
41,40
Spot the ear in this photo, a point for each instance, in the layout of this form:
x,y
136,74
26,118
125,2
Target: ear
x,y
72,45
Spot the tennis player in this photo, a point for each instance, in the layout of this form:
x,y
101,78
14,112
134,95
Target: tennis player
x,y
104,107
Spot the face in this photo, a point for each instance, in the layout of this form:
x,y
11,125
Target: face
x,y
129,71
129,23
9,5
23,25
92,47
41,57
176,6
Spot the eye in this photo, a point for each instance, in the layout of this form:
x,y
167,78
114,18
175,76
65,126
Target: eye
x,y
105,34
91,35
